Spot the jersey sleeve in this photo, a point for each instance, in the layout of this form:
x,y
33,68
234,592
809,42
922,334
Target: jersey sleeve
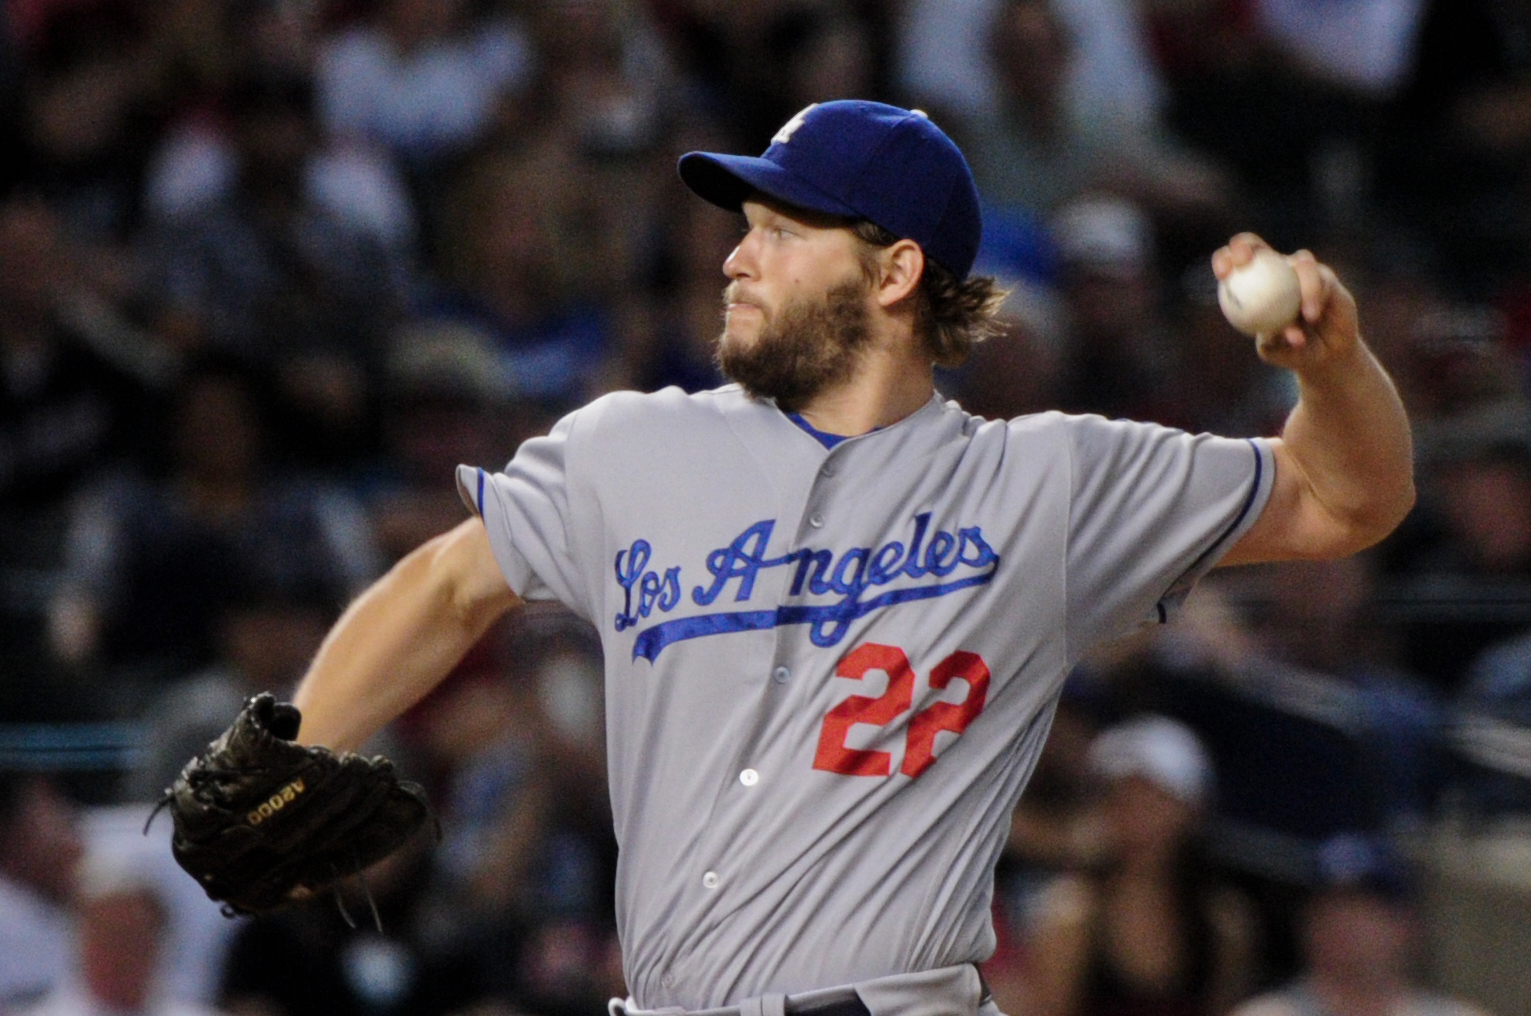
x,y
1152,509
526,512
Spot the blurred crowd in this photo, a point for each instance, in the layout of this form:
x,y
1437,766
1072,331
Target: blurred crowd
x,y
269,269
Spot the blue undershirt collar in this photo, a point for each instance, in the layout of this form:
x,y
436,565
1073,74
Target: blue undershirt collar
x,y
824,438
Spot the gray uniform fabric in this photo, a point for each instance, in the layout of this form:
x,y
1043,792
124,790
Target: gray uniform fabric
x,y
829,672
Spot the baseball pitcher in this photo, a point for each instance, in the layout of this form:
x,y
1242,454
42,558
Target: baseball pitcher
x,y
837,609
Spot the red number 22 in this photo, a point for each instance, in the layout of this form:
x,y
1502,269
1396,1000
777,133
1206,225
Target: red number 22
x,y
833,756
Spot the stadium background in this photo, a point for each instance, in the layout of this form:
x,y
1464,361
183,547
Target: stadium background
x,y
270,268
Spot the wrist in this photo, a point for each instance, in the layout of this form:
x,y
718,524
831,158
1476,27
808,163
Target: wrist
x,y
1339,369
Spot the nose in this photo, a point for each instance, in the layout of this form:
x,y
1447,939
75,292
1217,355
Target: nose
x,y
740,263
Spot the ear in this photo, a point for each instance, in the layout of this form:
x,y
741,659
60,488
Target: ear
x,y
900,268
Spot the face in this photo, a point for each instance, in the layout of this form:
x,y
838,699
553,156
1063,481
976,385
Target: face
x,y
119,939
42,847
1355,938
1145,819
796,315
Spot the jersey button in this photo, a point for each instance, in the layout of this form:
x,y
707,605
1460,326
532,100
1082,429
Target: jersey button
x,y
781,675
710,880
827,469
816,520
749,777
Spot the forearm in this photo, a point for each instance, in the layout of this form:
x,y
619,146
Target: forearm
x,y
1349,439
401,637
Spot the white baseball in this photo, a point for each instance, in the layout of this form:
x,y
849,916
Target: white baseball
x,y
1261,297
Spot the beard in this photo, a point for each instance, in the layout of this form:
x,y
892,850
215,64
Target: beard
x,y
807,347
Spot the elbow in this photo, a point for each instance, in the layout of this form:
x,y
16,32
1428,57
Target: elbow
x,y
1390,511
1369,524
466,580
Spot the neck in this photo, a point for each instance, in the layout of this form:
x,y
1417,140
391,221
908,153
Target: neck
x,y
1377,997
891,382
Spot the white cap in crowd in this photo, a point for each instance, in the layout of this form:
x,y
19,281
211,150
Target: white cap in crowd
x,y
1159,749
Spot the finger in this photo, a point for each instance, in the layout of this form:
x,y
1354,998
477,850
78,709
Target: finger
x,y
1290,337
1237,253
1310,280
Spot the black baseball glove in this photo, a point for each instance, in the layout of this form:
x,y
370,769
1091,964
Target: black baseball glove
x,y
261,820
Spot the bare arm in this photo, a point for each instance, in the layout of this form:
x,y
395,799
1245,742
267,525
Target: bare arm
x,y
401,637
1344,461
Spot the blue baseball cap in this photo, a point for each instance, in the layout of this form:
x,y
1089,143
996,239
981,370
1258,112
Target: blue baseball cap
x,y
1361,863
860,160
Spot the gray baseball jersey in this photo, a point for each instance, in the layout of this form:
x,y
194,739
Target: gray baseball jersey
x,y
830,672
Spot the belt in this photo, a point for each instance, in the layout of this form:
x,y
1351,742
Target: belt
x,y
832,1002
852,1005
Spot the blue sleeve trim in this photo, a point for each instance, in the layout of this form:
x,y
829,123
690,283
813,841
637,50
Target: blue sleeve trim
x,y
481,493
1233,527
1254,489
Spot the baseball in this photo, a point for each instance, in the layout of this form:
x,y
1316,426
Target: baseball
x,y
1262,296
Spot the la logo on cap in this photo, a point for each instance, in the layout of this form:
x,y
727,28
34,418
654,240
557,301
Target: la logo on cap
x,y
790,127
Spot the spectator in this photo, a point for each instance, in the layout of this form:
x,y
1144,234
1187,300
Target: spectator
x,y
529,850
40,850
153,563
513,236
602,76
1358,938
308,961
944,59
266,274
1489,732
680,348
1054,831
1365,44
1479,507
88,115
1150,930
265,638
1116,358
1219,388
120,928
1016,370
420,77
1315,619
1040,149
196,161
446,400
1453,166
67,409
750,63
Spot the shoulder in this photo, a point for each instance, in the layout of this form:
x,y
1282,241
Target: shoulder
x,y
666,408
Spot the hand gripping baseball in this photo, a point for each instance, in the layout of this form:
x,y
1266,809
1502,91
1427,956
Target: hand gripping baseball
x,y
1325,329
261,821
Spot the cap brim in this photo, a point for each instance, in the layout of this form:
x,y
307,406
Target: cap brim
x,y
727,180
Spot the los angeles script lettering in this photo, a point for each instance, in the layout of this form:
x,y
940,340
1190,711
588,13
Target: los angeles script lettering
x,y
920,568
